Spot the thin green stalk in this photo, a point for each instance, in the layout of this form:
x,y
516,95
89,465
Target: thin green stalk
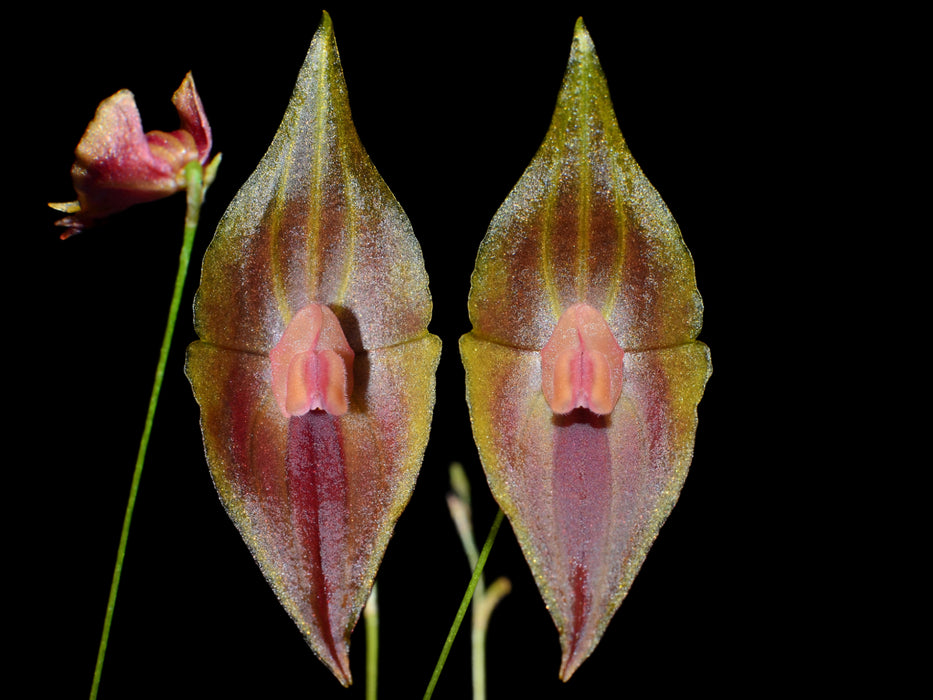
x,y
371,618
194,176
484,601
483,605
464,604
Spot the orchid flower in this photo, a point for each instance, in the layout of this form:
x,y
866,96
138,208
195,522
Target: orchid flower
x,y
583,372
314,370
117,165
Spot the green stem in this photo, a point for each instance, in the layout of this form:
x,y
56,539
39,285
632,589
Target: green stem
x,y
483,605
371,618
478,648
459,503
464,604
193,173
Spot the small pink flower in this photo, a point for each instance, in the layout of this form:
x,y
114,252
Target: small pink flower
x,y
117,165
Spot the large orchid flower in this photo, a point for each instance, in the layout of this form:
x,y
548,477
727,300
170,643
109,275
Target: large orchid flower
x,y
314,370
583,372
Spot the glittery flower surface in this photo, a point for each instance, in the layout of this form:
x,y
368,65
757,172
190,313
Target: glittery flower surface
x,y
583,369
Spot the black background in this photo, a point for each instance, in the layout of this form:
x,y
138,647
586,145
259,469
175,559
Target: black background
x,y
740,591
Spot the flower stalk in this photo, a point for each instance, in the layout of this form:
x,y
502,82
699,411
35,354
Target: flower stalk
x,y
195,177
484,600
371,619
